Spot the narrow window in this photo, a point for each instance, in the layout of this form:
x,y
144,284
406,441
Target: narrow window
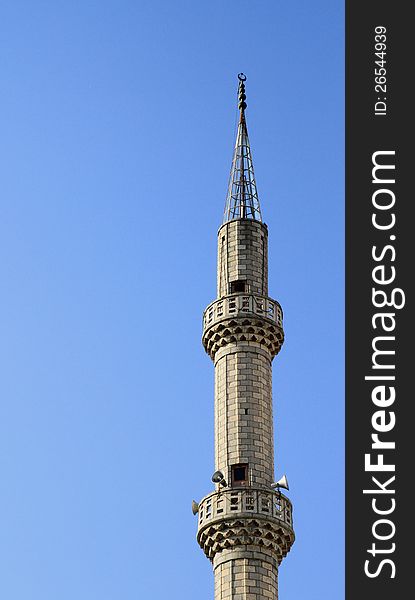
x,y
239,475
238,286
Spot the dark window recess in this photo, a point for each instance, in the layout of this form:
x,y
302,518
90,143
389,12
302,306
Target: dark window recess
x,y
238,286
239,475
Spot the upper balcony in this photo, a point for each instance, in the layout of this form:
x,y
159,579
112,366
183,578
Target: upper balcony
x,y
243,317
237,305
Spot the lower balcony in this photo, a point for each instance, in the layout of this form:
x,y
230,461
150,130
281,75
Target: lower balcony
x,y
250,518
245,502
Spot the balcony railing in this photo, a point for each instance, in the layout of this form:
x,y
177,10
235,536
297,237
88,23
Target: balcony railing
x,y
242,304
245,502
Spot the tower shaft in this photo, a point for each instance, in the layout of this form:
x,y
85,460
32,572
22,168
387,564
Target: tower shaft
x,y
243,400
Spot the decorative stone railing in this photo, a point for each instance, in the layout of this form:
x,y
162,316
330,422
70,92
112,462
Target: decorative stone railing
x,y
252,517
238,305
241,319
244,502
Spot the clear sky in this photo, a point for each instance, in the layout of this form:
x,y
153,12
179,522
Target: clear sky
x,y
117,129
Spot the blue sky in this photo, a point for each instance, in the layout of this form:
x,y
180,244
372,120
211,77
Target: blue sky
x,y
117,125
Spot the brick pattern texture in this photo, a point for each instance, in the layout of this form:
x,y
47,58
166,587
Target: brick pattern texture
x,y
243,412
243,254
250,577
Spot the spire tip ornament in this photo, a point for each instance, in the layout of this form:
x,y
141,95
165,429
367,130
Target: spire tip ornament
x,y
241,92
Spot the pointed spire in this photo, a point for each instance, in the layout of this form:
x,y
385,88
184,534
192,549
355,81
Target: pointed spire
x,y
242,200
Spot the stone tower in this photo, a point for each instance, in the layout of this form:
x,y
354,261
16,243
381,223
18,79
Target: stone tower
x,y
245,526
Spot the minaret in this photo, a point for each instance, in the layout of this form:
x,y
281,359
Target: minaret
x,y
245,526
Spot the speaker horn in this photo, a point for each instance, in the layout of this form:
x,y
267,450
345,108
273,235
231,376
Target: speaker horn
x,y
281,483
219,477
195,507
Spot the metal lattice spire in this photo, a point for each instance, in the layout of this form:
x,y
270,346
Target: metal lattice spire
x,y
242,201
